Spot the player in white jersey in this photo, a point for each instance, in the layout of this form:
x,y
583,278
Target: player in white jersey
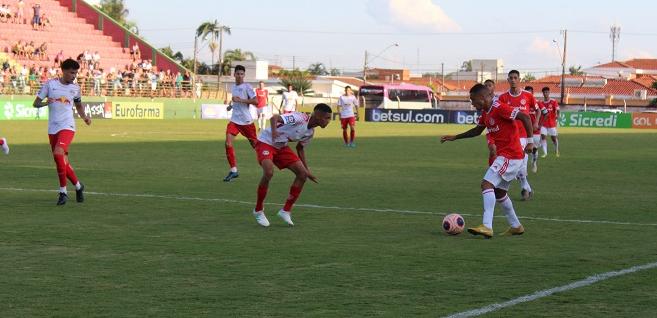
x,y
348,105
241,121
272,149
60,96
289,101
4,145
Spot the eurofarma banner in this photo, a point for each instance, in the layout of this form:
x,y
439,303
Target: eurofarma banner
x,y
132,110
593,119
21,110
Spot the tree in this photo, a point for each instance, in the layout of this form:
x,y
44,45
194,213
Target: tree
x,y
529,77
466,66
654,84
300,80
317,69
118,11
575,70
168,51
215,31
213,47
335,72
235,55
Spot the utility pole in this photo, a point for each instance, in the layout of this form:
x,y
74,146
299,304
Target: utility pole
x,y
294,62
194,66
221,58
365,68
614,36
442,73
563,65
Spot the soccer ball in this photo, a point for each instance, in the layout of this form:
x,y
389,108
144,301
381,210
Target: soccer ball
x,y
453,224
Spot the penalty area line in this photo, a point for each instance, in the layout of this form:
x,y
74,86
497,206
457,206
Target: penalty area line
x,y
324,207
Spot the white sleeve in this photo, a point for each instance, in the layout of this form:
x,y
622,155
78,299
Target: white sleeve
x,y
250,93
43,92
293,119
340,101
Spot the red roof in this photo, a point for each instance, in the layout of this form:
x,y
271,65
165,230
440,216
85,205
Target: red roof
x,y
614,64
346,79
646,80
613,87
643,64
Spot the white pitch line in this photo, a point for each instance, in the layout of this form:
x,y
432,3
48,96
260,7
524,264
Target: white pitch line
x,y
548,292
314,206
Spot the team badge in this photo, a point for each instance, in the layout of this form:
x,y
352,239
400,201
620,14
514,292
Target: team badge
x,y
491,121
265,153
523,102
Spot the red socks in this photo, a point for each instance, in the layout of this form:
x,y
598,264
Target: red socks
x,y
292,198
353,135
262,193
70,174
60,162
344,136
230,155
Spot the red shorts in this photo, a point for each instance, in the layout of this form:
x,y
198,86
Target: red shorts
x,y
248,131
350,120
282,158
62,138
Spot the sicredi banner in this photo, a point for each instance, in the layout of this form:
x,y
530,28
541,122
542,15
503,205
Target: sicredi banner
x,y
102,110
593,119
644,120
132,110
419,116
21,110
215,111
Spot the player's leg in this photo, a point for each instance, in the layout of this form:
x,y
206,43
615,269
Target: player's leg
x,y
301,174
504,201
544,141
555,140
345,136
59,156
537,141
4,145
231,132
267,174
352,135
526,191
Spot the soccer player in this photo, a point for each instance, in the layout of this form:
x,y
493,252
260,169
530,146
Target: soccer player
x,y
348,104
535,115
549,126
4,145
500,120
492,151
262,95
241,122
272,150
289,101
523,100
60,95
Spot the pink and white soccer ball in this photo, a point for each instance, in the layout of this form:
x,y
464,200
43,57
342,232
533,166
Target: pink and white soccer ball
x,y
453,224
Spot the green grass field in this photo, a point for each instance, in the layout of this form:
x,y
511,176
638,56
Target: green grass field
x,y
162,236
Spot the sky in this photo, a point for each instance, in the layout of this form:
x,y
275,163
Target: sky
x,y
524,34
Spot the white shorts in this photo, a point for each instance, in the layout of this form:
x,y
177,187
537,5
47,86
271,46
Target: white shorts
x,y
537,139
549,131
261,111
503,171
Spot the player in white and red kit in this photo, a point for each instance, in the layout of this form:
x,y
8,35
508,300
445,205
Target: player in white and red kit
x,y
289,101
500,119
272,150
549,124
4,145
348,105
241,121
60,96
535,115
523,100
492,151
262,95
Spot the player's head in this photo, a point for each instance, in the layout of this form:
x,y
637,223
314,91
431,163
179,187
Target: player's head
x,y
70,68
290,87
546,92
239,74
490,84
261,84
529,89
347,90
322,115
514,78
481,97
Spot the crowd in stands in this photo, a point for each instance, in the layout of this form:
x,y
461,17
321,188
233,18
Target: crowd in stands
x,y
29,50
16,14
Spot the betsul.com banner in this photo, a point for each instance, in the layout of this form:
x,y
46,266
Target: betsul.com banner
x,y
21,110
131,110
420,116
593,119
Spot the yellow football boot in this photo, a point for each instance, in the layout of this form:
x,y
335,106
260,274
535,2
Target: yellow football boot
x,y
481,230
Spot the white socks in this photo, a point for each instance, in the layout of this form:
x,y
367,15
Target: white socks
x,y
233,169
507,207
544,146
489,207
78,186
62,190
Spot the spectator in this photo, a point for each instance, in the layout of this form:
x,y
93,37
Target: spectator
x,y
42,52
98,77
5,13
135,54
96,59
36,17
44,22
59,58
29,50
20,13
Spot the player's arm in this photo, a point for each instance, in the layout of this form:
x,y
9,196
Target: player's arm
x,y
527,123
476,131
80,109
41,96
39,102
302,155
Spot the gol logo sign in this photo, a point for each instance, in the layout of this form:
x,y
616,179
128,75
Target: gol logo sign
x,y
643,120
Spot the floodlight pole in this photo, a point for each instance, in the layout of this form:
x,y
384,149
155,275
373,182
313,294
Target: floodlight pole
x,y
563,65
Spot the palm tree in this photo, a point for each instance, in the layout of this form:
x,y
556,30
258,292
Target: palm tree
x,y
213,47
317,69
117,10
216,31
235,55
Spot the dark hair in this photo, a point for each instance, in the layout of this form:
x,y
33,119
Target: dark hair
x,y
514,72
345,88
478,88
545,89
323,108
240,68
70,64
529,88
489,81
